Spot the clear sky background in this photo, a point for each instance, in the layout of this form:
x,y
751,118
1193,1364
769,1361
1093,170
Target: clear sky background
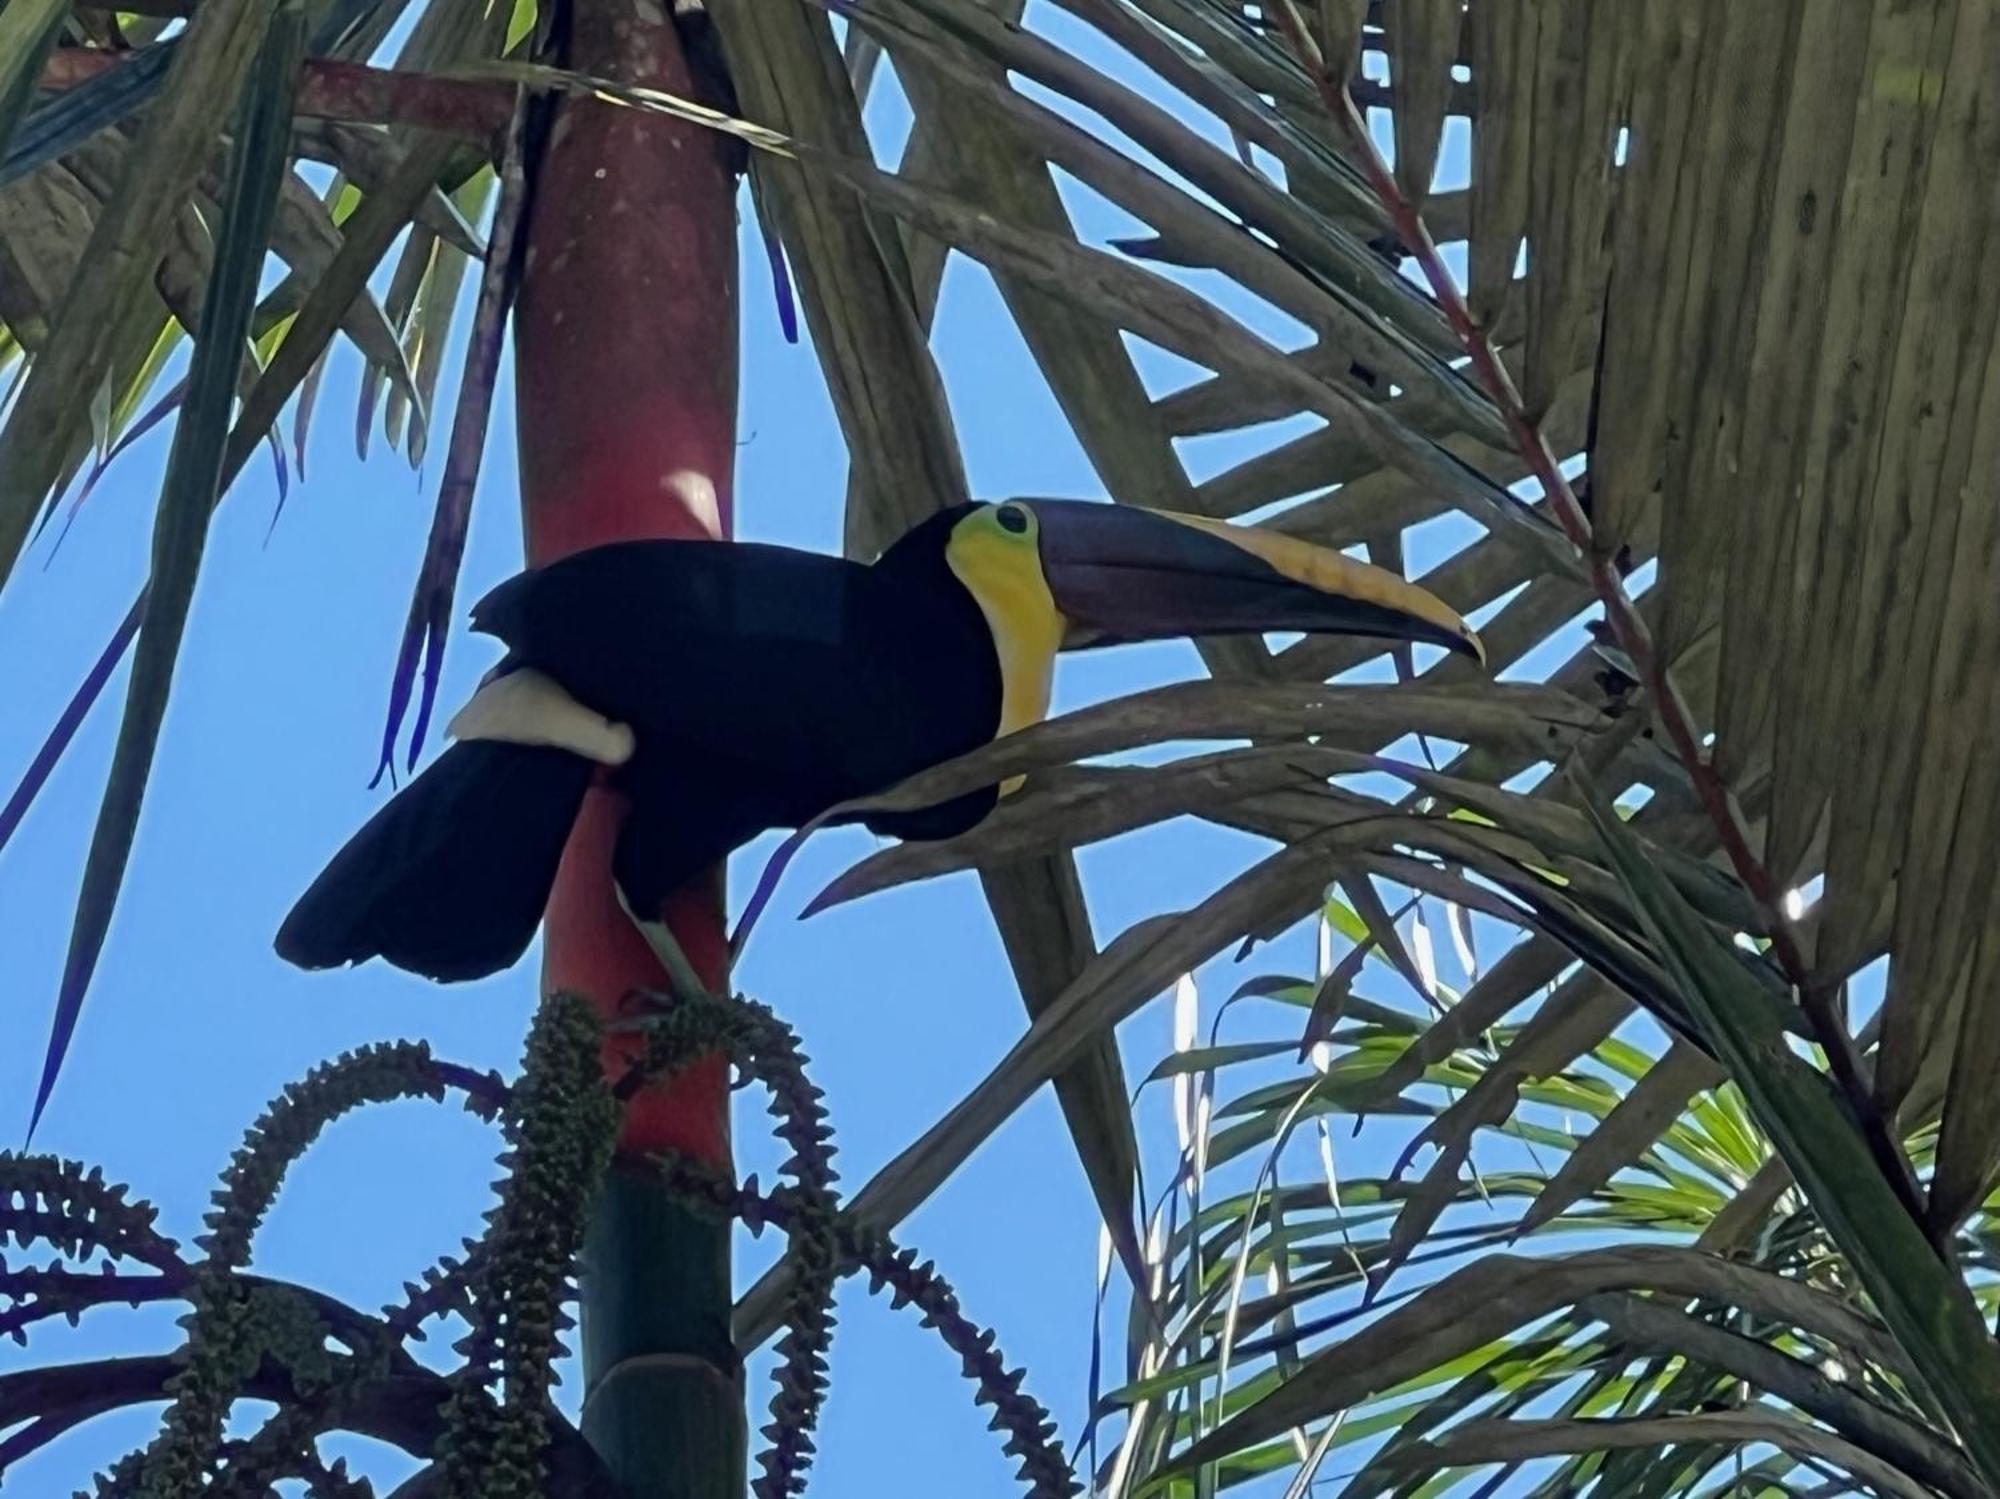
x,y
904,1001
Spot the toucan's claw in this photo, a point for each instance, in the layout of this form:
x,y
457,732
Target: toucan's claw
x,y
682,980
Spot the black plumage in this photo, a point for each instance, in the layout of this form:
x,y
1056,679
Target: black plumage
x,y
449,879
762,684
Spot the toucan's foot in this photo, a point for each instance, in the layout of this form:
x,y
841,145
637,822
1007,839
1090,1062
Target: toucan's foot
x,y
682,980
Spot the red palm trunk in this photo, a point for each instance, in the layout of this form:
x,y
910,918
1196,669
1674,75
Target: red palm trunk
x,y
626,346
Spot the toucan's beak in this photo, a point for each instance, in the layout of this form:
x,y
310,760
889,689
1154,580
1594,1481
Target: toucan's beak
x,y
1121,573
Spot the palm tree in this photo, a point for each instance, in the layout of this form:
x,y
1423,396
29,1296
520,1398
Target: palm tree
x,y
1705,355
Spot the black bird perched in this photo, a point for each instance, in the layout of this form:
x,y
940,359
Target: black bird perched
x,y
731,688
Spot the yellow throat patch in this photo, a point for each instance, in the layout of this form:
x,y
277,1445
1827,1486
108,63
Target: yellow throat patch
x,y
1002,569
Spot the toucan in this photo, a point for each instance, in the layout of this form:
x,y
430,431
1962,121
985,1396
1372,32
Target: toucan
x,y
730,688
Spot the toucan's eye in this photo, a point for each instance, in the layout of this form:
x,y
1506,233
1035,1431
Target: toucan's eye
x,y
1013,518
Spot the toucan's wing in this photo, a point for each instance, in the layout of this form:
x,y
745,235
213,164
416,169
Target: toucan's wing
x,y
755,652
698,592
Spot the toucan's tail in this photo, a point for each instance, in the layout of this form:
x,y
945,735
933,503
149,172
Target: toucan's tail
x,y
449,879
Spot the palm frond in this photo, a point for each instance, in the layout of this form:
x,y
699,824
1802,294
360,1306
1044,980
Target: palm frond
x,y
1713,405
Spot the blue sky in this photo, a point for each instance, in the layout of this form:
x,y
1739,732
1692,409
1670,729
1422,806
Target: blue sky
x,y
904,1001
